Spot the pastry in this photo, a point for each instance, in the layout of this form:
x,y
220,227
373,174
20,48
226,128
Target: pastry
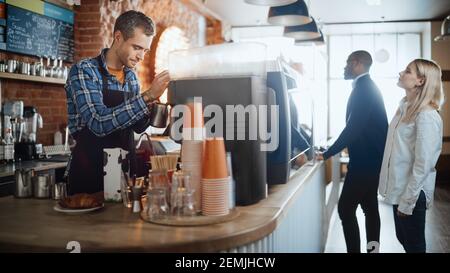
x,y
82,201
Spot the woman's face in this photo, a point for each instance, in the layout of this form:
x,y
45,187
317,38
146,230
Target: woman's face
x,y
409,79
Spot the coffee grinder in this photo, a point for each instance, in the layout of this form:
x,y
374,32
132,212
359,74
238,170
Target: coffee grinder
x,y
27,148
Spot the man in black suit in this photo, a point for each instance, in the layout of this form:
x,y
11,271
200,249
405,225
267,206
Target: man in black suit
x,y
364,136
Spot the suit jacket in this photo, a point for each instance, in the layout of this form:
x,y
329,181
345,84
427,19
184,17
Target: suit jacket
x,y
366,128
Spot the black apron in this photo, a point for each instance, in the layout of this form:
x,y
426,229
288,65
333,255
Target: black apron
x,y
85,174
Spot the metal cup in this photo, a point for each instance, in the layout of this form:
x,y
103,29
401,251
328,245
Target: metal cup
x,y
158,115
23,185
59,191
25,68
12,66
41,186
33,69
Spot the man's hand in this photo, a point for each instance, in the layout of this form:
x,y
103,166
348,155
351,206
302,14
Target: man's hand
x,y
401,214
159,85
319,156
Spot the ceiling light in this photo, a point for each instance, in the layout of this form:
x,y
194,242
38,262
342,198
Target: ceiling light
x,y
272,3
316,41
290,15
445,30
382,55
303,32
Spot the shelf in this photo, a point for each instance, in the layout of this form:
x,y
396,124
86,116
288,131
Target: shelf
x,y
15,76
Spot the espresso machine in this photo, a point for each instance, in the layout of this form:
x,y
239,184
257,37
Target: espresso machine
x,y
27,147
228,75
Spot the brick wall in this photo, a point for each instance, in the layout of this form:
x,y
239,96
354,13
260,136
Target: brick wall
x,y
94,21
49,99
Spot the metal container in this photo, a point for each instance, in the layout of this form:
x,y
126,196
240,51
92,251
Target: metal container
x,y
41,186
34,69
25,68
23,179
42,71
12,66
158,115
59,191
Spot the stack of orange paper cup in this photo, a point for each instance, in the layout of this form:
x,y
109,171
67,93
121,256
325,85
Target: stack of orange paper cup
x,y
215,179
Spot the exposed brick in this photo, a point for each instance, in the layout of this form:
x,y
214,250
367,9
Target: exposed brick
x,y
85,38
87,17
93,29
90,31
91,46
88,25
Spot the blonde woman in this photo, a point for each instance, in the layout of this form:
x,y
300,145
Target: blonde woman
x,y
413,145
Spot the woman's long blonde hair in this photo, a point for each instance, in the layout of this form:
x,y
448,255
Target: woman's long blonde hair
x,y
428,94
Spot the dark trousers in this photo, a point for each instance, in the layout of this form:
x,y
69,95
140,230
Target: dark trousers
x,y
360,189
410,230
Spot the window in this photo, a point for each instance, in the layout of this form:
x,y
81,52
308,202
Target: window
x,y
173,38
391,53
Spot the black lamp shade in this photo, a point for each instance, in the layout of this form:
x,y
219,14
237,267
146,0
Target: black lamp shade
x,y
303,32
290,15
316,41
272,3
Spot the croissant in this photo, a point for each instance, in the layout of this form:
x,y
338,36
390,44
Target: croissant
x,y
82,201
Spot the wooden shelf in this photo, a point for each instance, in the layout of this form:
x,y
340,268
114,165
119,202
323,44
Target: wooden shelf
x,y
15,76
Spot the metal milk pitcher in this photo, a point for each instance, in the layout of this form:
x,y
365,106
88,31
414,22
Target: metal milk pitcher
x,y
23,187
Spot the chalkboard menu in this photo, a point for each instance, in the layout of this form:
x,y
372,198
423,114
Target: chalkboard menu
x,y
35,34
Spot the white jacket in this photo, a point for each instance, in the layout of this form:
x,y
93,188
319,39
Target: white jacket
x,y
410,155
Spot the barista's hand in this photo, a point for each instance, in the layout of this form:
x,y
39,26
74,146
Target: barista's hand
x,y
159,85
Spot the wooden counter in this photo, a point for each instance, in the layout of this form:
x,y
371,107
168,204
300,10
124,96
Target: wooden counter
x,y
30,225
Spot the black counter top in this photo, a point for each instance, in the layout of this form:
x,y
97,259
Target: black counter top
x,y
37,165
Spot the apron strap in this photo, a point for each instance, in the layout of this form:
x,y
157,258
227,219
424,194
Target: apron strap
x,y
131,147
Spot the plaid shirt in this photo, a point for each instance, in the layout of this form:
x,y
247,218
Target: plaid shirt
x,y
85,100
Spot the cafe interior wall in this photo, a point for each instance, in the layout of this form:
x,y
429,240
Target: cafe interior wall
x,y
94,21
49,99
440,52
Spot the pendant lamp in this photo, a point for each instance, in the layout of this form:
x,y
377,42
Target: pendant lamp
x,y
303,32
291,15
272,3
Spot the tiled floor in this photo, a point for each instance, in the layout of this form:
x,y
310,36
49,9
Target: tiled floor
x,y
437,229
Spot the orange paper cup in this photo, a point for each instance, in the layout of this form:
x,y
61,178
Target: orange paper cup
x,y
214,159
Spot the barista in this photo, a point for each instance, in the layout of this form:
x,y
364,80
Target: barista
x,y
104,101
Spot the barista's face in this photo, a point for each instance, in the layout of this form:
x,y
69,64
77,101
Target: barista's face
x,y
132,50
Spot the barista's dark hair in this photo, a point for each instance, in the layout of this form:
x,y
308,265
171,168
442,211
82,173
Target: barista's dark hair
x,y
128,21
